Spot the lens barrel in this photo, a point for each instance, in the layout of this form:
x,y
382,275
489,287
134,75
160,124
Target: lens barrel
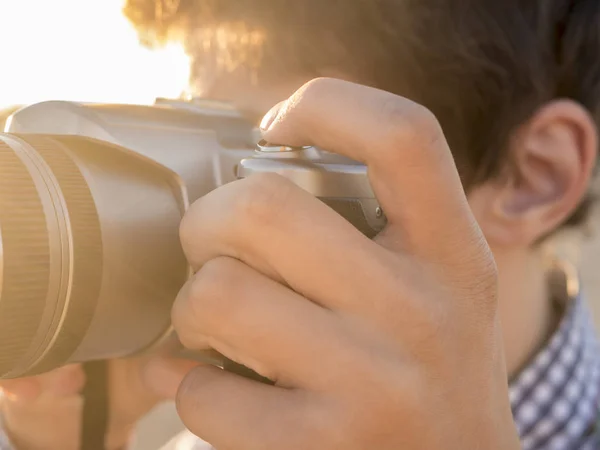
x,y
63,278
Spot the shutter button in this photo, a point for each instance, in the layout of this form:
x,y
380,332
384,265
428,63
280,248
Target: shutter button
x,y
266,147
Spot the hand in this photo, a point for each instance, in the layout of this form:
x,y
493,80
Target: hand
x,y
44,412
388,344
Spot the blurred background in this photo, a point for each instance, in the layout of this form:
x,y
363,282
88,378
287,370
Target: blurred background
x,y
82,50
87,50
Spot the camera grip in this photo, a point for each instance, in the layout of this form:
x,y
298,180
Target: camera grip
x,y
368,219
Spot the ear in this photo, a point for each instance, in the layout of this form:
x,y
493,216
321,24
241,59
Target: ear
x,y
552,158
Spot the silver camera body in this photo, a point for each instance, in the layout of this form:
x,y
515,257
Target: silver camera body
x,y
101,189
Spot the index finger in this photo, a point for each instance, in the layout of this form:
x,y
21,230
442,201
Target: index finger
x,y
62,382
411,168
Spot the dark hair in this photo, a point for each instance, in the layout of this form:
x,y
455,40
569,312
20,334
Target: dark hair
x,y
482,66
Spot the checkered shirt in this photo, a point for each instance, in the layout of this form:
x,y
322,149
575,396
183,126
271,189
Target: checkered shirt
x,y
555,400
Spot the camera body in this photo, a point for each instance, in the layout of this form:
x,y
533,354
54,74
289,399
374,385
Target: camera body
x,y
90,203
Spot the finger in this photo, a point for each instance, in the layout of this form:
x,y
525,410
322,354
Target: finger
x,y
231,412
23,390
63,382
163,376
274,226
257,322
410,165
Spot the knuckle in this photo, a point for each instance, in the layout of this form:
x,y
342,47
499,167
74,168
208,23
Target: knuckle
x,y
207,301
187,327
262,199
188,225
408,125
423,120
315,90
211,290
302,107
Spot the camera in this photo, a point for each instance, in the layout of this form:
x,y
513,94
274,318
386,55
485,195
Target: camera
x,y
91,198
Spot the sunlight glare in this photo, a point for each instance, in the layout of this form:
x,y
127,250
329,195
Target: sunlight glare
x,y
82,50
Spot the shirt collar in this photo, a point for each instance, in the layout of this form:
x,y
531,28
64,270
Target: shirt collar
x,y
555,399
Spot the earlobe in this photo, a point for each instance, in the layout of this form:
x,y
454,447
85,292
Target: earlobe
x,y
552,159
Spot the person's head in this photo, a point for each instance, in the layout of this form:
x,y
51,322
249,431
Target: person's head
x,y
515,85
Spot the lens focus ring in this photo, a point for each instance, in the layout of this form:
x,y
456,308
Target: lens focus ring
x,y
24,258
85,254
50,254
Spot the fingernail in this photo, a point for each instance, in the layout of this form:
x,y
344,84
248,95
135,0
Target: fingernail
x,y
271,116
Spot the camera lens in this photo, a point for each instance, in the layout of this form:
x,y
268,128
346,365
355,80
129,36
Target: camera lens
x,y
90,260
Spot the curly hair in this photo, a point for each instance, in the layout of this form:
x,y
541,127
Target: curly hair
x,y
483,67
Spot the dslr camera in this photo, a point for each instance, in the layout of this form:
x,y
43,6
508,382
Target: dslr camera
x,y
91,198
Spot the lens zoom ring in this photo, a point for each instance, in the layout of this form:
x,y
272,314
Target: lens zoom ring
x,y
86,249
25,261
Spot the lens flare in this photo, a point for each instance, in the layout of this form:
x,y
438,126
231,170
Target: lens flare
x,y
82,50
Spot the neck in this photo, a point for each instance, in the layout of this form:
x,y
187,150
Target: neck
x,y
526,311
